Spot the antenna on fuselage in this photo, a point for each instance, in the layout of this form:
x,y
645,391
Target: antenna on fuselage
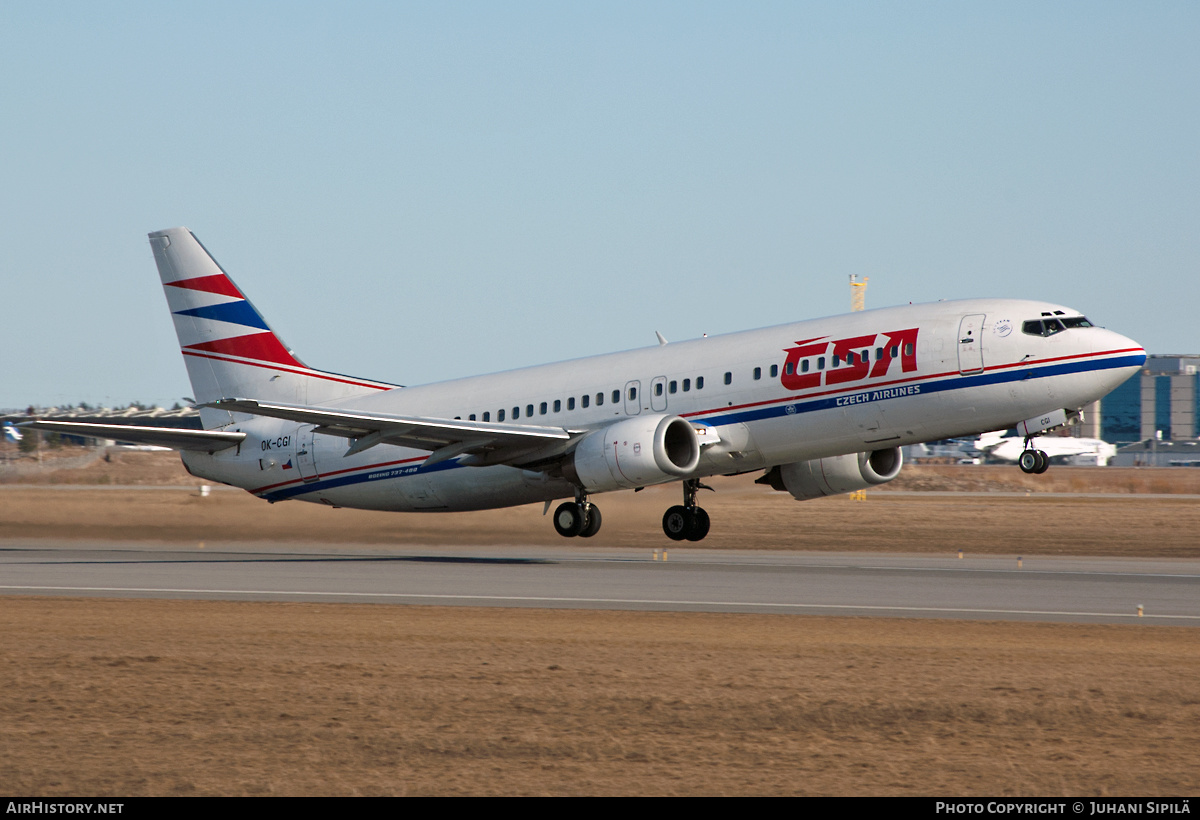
x,y
858,292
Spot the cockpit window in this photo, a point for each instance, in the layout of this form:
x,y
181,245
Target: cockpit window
x,y
1050,326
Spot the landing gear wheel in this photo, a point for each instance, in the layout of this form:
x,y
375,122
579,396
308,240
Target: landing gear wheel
x,y
683,524
1029,461
1043,462
593,522
677,522
699,527
569,519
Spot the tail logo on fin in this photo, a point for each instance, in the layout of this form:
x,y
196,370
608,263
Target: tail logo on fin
x,y
227,344
222,308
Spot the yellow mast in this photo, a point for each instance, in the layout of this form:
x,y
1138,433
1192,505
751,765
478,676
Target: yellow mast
x,y
858,292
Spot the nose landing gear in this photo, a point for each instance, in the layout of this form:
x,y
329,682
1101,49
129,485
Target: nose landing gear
x,y
1033,461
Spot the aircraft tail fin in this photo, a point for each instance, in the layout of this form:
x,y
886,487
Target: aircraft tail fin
x,y
229,349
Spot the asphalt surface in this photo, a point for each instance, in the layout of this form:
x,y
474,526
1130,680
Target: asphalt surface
x,y
1095,590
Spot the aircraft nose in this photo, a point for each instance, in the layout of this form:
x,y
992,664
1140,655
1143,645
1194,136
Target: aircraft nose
x,y
1125,356
1114,343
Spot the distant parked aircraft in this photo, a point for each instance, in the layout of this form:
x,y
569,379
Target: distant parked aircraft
x,y
998,446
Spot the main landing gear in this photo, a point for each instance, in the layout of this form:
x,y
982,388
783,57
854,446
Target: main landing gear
x,y
579,517
687,522
1033,461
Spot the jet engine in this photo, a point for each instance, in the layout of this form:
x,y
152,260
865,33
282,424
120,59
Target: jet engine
x,y
836,474
635,452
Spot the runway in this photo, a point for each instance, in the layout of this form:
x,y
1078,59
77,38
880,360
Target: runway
x,y
862,584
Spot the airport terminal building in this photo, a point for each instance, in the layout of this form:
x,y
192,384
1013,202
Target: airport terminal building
x,y
1155,413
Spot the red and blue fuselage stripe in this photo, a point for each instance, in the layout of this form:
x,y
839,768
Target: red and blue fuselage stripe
x,y
759,411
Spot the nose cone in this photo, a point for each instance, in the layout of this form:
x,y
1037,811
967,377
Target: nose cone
x,y
1122,356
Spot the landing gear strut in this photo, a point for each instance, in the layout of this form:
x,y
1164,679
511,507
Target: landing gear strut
x,y
688,522
1033,461
579,517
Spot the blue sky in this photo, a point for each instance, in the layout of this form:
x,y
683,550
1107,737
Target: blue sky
x,y
419,191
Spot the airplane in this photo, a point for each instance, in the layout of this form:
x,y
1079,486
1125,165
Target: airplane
x,y
11,433
998,446
820,407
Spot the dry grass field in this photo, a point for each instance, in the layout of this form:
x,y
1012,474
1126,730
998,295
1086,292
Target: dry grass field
x,y
1151,513
117,697
110,697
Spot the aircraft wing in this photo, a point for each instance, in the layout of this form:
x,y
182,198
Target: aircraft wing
x,y
483,442
208,441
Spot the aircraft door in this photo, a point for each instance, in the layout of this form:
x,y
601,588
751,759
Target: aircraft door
x,y
306,461
633,398
970,344
658,394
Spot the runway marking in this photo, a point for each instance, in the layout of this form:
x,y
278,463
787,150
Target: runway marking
x,y
627,601
217,556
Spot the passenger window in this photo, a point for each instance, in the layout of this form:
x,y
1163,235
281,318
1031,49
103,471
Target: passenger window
x,y
728,378
789,368
658,388
908,349
878,353
895,351
599,399
529,411
616,397
487,415
542,409
849,358
558,405
633,394
687,385
500,415
804,366
699,382
757,373
674,386
774,370
471,417
571,403
837,361
583,402
820,363
516,413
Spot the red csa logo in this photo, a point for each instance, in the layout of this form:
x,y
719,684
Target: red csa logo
x,y
856,353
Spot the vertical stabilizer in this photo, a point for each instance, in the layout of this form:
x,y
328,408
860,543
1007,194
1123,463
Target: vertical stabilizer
x,y
229,349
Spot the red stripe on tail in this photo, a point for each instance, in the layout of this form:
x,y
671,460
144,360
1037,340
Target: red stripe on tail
x,y
262,346
217,283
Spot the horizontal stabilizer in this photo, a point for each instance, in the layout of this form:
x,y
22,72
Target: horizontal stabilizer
x,y
369,429
207,441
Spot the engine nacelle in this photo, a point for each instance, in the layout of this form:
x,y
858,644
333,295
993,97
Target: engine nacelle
x,y
836,474
635,452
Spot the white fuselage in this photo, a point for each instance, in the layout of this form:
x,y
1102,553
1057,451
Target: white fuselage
x,y
772,396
